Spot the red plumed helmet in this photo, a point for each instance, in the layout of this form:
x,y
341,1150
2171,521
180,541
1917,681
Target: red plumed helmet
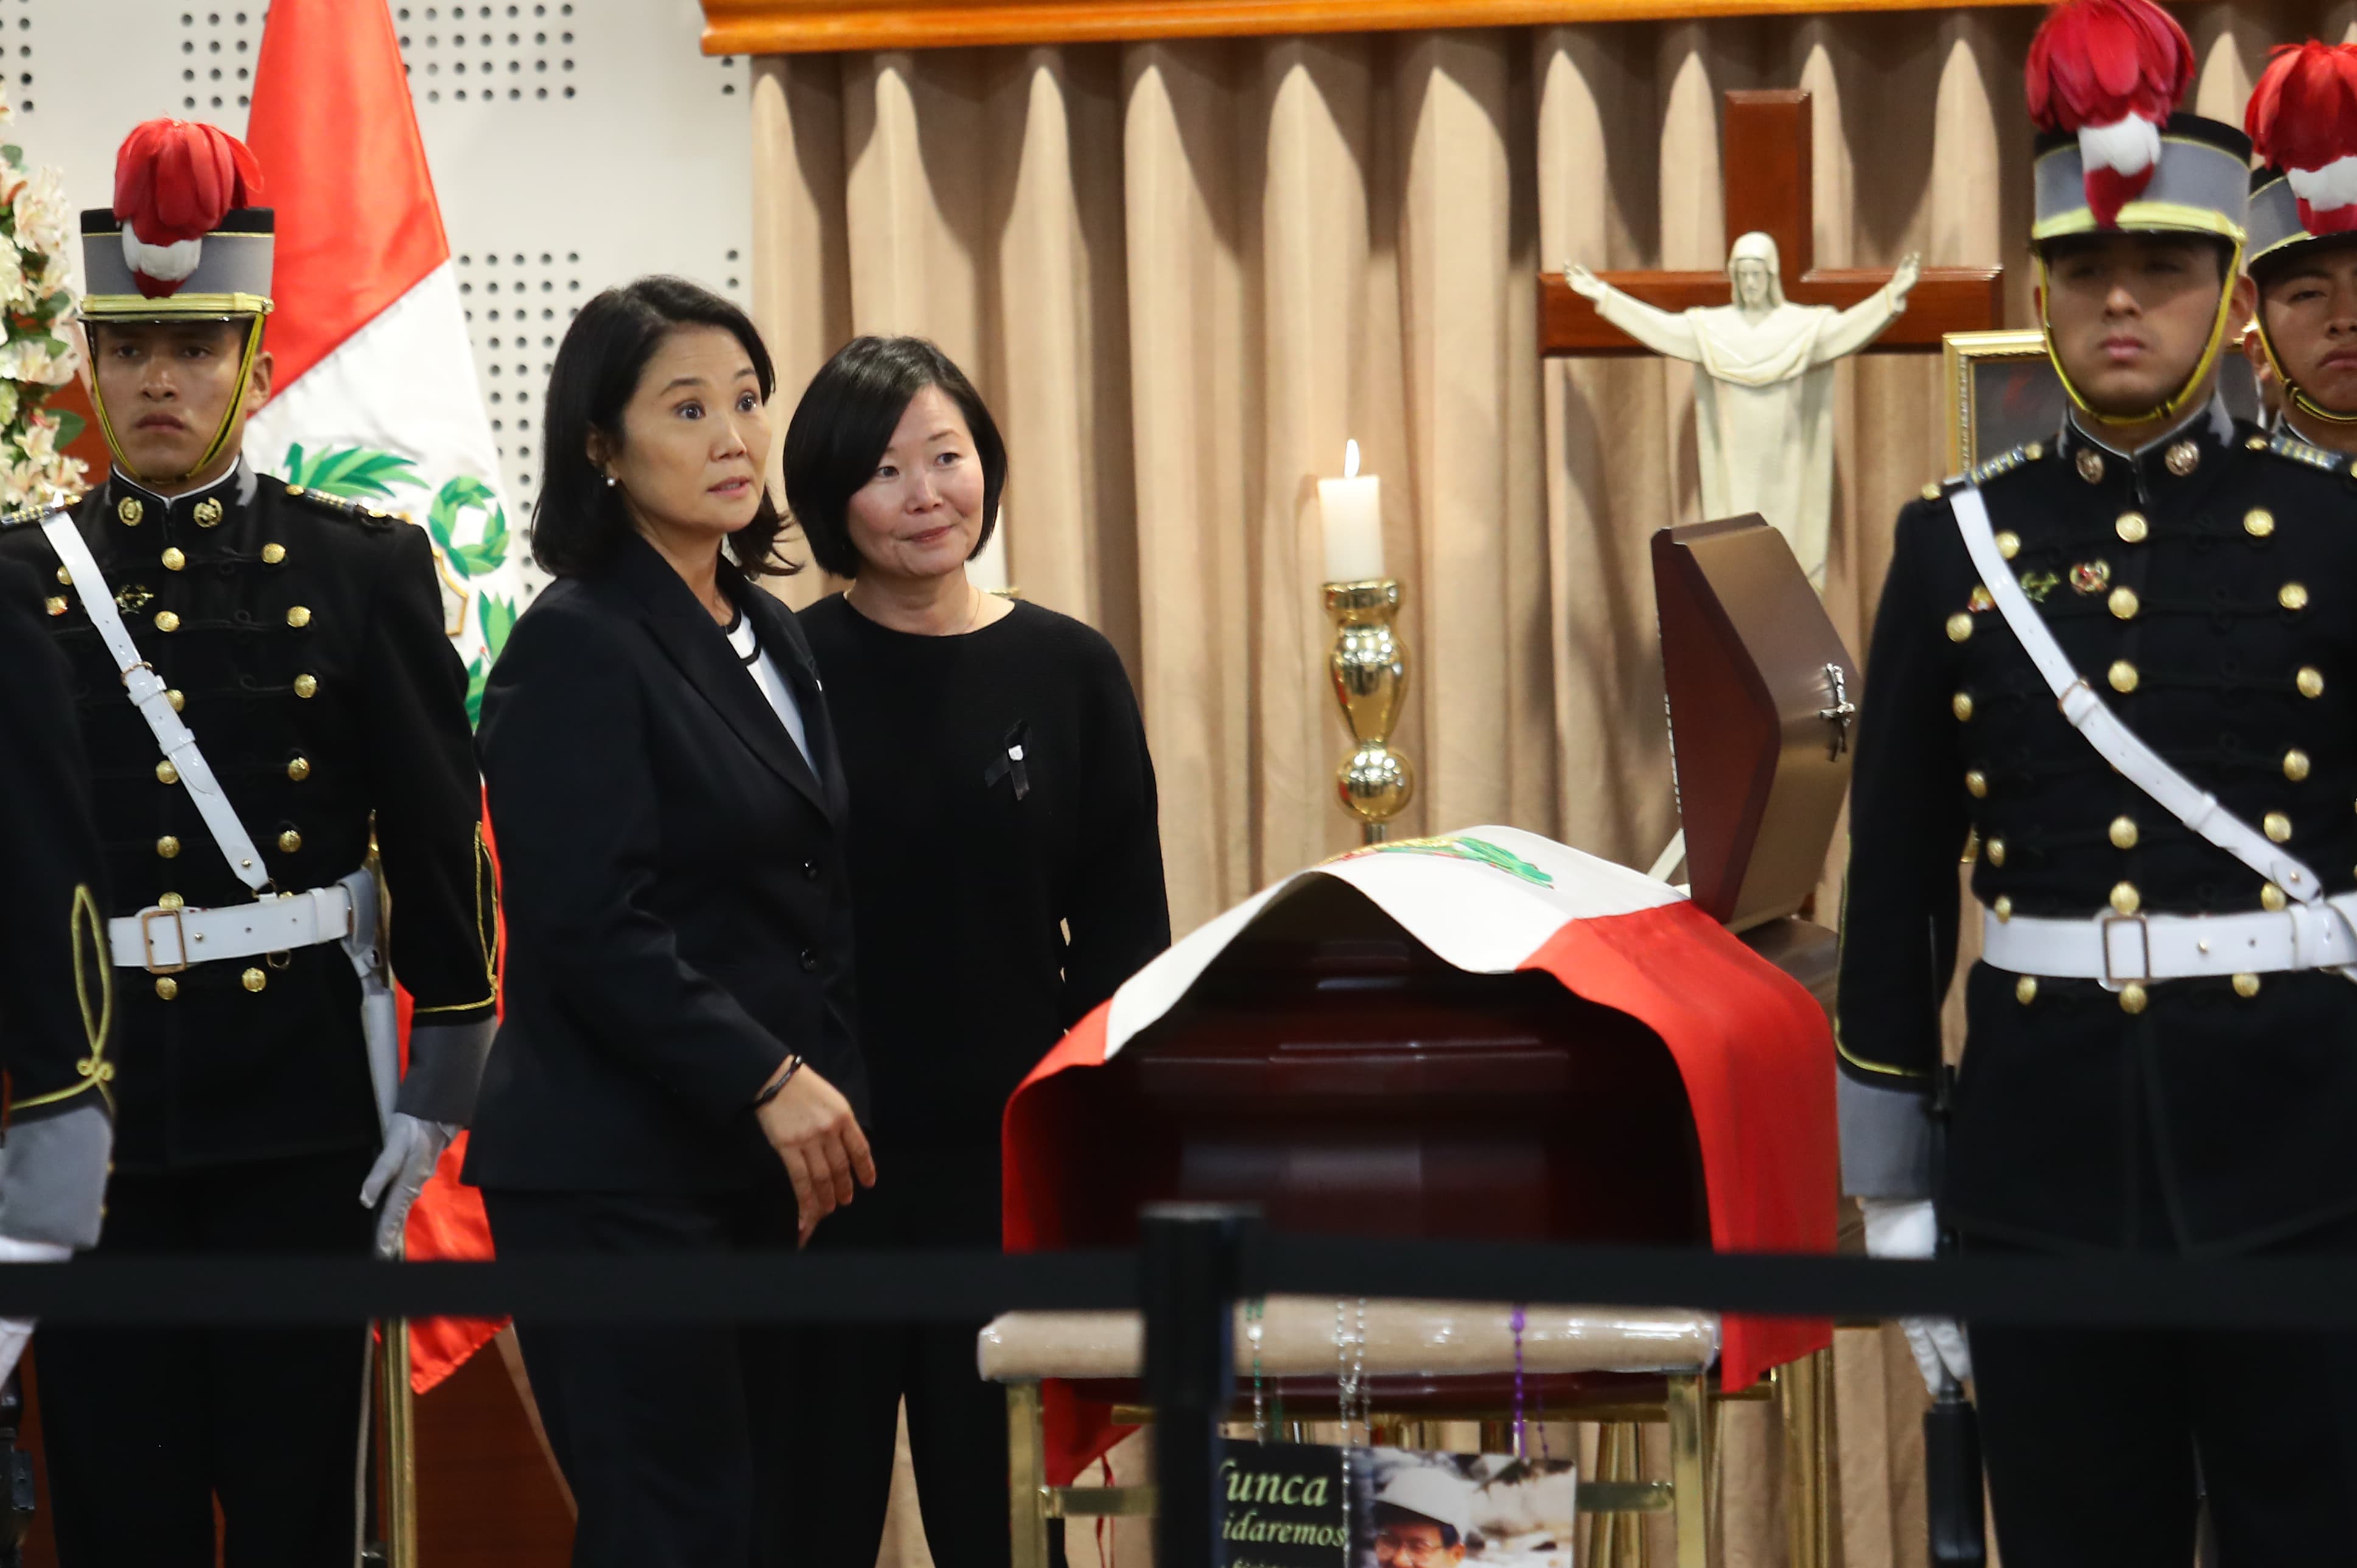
x,y
174,182
2303,119
2111,73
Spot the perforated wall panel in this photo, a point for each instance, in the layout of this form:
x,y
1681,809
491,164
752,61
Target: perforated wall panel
x,y
575,142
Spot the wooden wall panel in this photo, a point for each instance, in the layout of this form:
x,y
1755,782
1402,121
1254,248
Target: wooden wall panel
x,y
802,27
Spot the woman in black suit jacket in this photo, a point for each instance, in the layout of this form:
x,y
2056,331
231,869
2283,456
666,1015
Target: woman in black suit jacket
x,y
677,1069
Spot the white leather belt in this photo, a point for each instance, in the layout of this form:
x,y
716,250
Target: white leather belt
x,y
2120,950
166,941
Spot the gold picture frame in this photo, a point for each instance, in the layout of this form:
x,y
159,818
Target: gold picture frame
x,y
2002,392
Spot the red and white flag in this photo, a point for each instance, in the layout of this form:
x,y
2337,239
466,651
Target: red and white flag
x,y
376,398
1753,1051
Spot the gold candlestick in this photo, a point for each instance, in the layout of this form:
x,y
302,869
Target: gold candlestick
x,y
1369,668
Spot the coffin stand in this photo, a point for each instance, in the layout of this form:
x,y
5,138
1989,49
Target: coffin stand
x,y
1331,1068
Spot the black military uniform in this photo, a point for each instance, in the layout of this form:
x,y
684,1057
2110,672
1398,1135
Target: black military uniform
x,y
55,996
2205,586
301,639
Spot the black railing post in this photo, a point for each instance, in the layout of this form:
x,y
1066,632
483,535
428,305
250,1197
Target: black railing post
x,y
1192,1256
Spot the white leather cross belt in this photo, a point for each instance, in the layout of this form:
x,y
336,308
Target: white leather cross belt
x,y
2118,949
166,941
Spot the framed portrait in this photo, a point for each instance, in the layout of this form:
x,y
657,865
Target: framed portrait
x,y
2002,391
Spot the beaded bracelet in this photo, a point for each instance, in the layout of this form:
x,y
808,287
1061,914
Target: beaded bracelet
x,y
778,1084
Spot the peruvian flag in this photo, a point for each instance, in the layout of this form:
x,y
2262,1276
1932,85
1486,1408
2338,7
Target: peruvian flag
x,y
376,398
1752,1048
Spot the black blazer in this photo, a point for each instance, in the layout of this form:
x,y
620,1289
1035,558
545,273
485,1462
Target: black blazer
x,y
678,917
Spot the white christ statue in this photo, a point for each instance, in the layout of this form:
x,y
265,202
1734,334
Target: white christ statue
x,y
1764,394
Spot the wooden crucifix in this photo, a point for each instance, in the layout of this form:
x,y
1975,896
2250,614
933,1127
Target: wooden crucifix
x,y
1769,188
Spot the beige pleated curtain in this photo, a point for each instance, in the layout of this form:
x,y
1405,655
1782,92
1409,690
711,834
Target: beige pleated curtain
x,y
1184,273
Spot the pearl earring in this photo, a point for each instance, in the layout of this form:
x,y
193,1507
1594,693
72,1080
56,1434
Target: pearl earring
x,y
611,482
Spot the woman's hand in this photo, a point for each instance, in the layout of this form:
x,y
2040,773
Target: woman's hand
x,y
818,1140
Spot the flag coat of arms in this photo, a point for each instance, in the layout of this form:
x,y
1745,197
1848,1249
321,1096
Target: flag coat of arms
x,y
1753,1050
376,398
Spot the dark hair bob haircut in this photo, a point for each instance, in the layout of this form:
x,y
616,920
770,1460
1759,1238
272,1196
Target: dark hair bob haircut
x,y
579,520
845,421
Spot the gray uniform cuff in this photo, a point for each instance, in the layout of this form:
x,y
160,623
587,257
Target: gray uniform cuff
x,y
1886,1139
53,1177
446,1068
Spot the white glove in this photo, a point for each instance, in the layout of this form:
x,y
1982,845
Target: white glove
x,y
15,1331
1905,1228
412,1149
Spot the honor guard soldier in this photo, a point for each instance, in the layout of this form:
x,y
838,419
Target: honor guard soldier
x,y
265,689
2115,669
55,988
2303,247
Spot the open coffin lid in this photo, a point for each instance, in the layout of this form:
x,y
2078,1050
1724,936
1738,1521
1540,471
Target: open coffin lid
x,y
1480,1034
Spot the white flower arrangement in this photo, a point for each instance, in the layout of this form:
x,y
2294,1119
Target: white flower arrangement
x,y
38,343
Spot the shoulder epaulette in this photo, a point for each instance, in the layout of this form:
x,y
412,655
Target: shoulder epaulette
x,y
2285,445
344,506
25,516
2005,463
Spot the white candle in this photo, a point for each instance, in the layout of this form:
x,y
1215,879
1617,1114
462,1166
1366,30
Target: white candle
x,y
987,571
1353,510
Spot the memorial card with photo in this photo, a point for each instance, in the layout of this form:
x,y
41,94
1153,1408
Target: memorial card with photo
x,y
1282,1507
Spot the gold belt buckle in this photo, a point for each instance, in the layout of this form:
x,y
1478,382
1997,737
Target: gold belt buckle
x,y
147,917
2144,936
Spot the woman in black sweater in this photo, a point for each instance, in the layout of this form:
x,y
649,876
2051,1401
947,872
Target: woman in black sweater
x,y
1006,875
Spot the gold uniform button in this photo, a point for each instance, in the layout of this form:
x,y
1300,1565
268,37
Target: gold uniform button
x,y
2183,458
2271,898
299,769
1982,598
272,553
2132,527
2246,985
2002,909
2091,465
168,846
289,841
55,605
1960,704
2124,603
2279,827
1997,852
167,621
2296,765
2256,444
178,699
167,987
174,560
2025,990
254,980
298,617
306,685
129,509
2133,999
1977,784
208,512
2258,522
1960,626
2124,832
2292,596
2310,680
65,579
1932,491
166,773
2126,899
170,901
2008,545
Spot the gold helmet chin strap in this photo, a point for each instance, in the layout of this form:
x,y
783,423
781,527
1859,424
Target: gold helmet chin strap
x,y
2184,396
220,436
2297,393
